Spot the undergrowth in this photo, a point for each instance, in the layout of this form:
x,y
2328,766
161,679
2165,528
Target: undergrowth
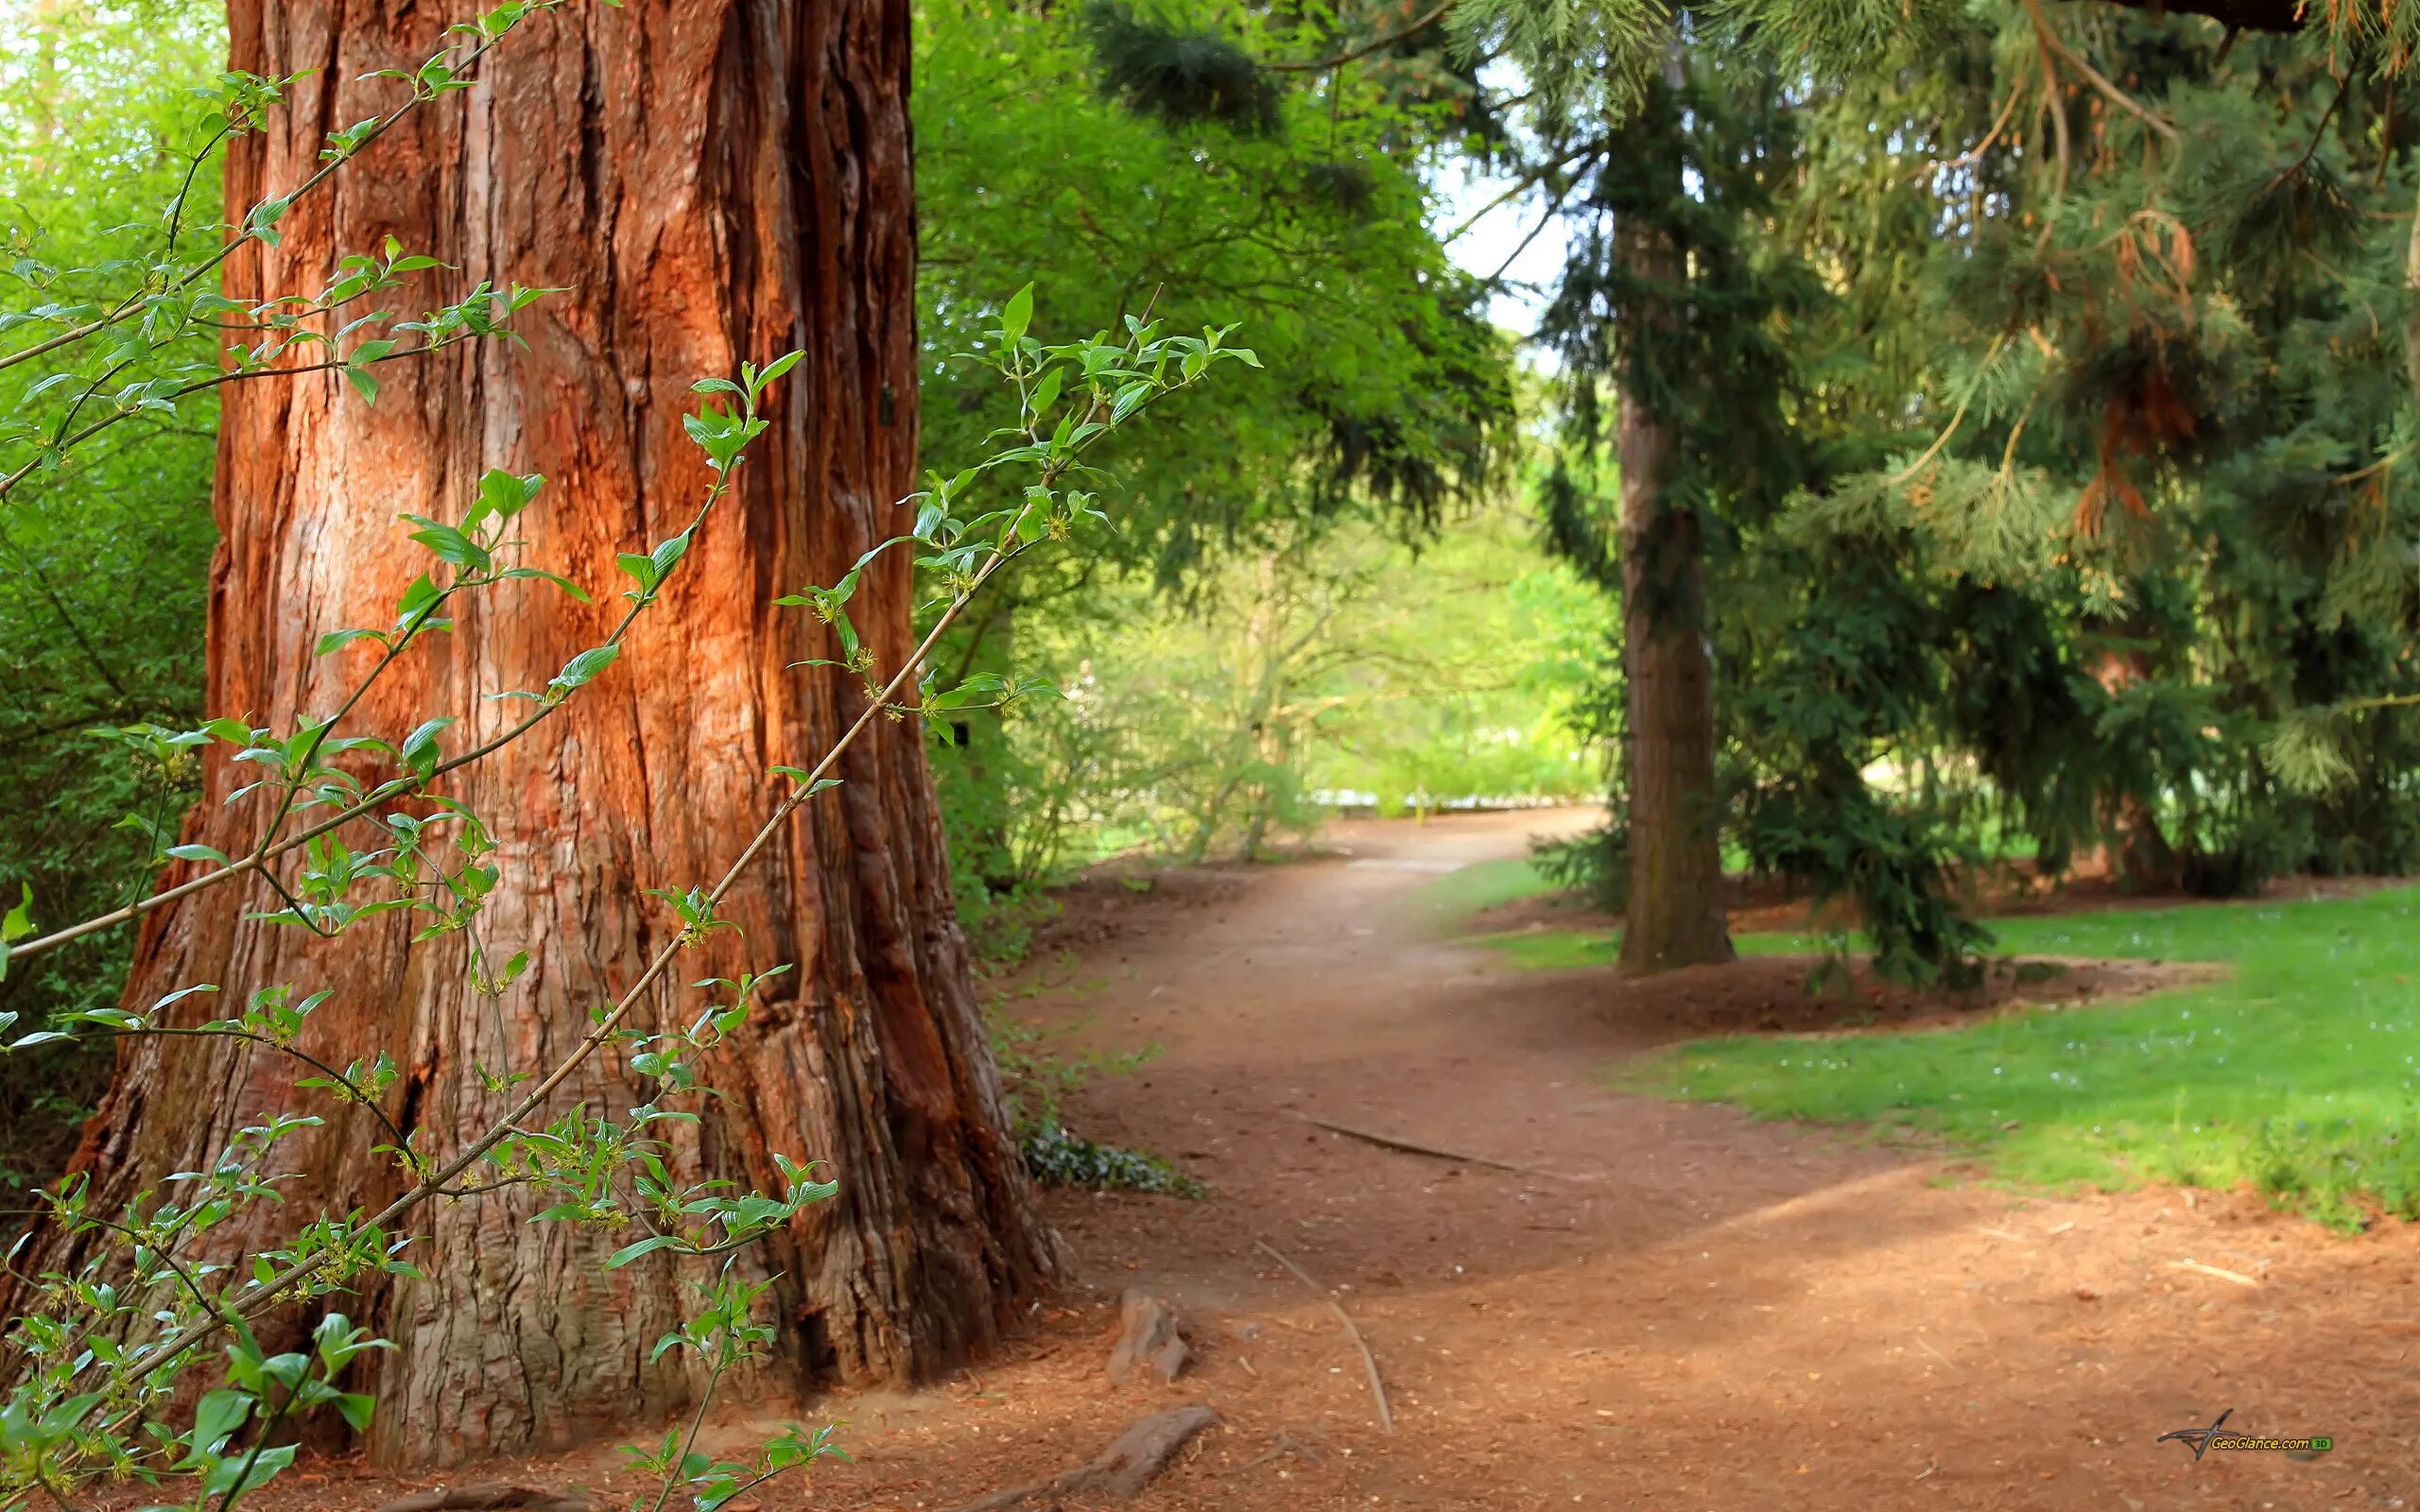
x,y
1036,1078
1058,1157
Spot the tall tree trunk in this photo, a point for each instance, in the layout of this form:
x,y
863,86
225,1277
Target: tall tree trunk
x,y
1674,916
711,180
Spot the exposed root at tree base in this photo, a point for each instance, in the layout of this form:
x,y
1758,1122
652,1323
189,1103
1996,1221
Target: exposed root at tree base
x,y
1131,1462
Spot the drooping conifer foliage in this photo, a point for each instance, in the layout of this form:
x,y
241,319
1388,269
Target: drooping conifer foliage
x,y
2038,427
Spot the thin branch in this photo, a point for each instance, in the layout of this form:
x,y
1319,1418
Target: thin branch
x,y
1520,186
2318,135
119,417
250,1036
1974,153
133,302
1554,207
1321,65
2052,40
1369,1361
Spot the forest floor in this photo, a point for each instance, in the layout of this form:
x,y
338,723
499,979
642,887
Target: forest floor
x,y
1666,1306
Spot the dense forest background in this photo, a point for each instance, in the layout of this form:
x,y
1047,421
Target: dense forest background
x,y
1959,449
2036,455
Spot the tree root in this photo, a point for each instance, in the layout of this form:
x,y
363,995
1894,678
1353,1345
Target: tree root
x,y
1129,1463
1439,1152
1148,1339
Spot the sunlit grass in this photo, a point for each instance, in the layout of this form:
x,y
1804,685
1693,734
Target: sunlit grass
x,y
1456,895
1563,950
1553,950
2299,1074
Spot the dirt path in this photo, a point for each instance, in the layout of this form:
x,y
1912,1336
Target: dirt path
x,y
1690,1311
1721,1315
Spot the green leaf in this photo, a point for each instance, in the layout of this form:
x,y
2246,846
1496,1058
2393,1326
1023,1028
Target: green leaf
x,y
450,545
817,784
506,494
582,669
556,578
667,555
419,597
776,368
218,1415
198,852
1128,399
644,1247
339,639
1046,393
419,750
263,1467
1017,316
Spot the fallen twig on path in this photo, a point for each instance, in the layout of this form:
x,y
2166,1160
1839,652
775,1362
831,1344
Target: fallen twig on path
x,y
2235,1275
1369,1361
1438,1152
1286,1444
1122,1470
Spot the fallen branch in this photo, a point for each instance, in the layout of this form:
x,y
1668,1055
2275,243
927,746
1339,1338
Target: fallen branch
x,y
1286,1444
1369,1361
1435,1152
2237,1277
1121,1471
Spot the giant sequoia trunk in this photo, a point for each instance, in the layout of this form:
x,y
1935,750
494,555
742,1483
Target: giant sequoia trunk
x,y
1674,915
711,180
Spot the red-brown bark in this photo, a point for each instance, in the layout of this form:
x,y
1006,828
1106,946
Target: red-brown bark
x,y
710,181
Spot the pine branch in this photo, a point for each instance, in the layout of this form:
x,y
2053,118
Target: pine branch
x,y
1410,28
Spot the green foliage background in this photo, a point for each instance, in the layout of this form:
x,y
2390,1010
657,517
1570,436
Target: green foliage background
x,y
103,565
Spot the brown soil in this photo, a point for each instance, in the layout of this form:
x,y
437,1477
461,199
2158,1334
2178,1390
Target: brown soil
x,y
1671,1307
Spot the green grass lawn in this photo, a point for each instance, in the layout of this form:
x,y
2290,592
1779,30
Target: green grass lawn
x,y
1456,895
2299,1074
1563,950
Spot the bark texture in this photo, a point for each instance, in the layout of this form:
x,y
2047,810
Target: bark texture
x,y
1674,915
711,180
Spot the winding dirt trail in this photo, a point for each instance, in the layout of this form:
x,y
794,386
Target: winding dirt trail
x,y
1692,1310
1671,1307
